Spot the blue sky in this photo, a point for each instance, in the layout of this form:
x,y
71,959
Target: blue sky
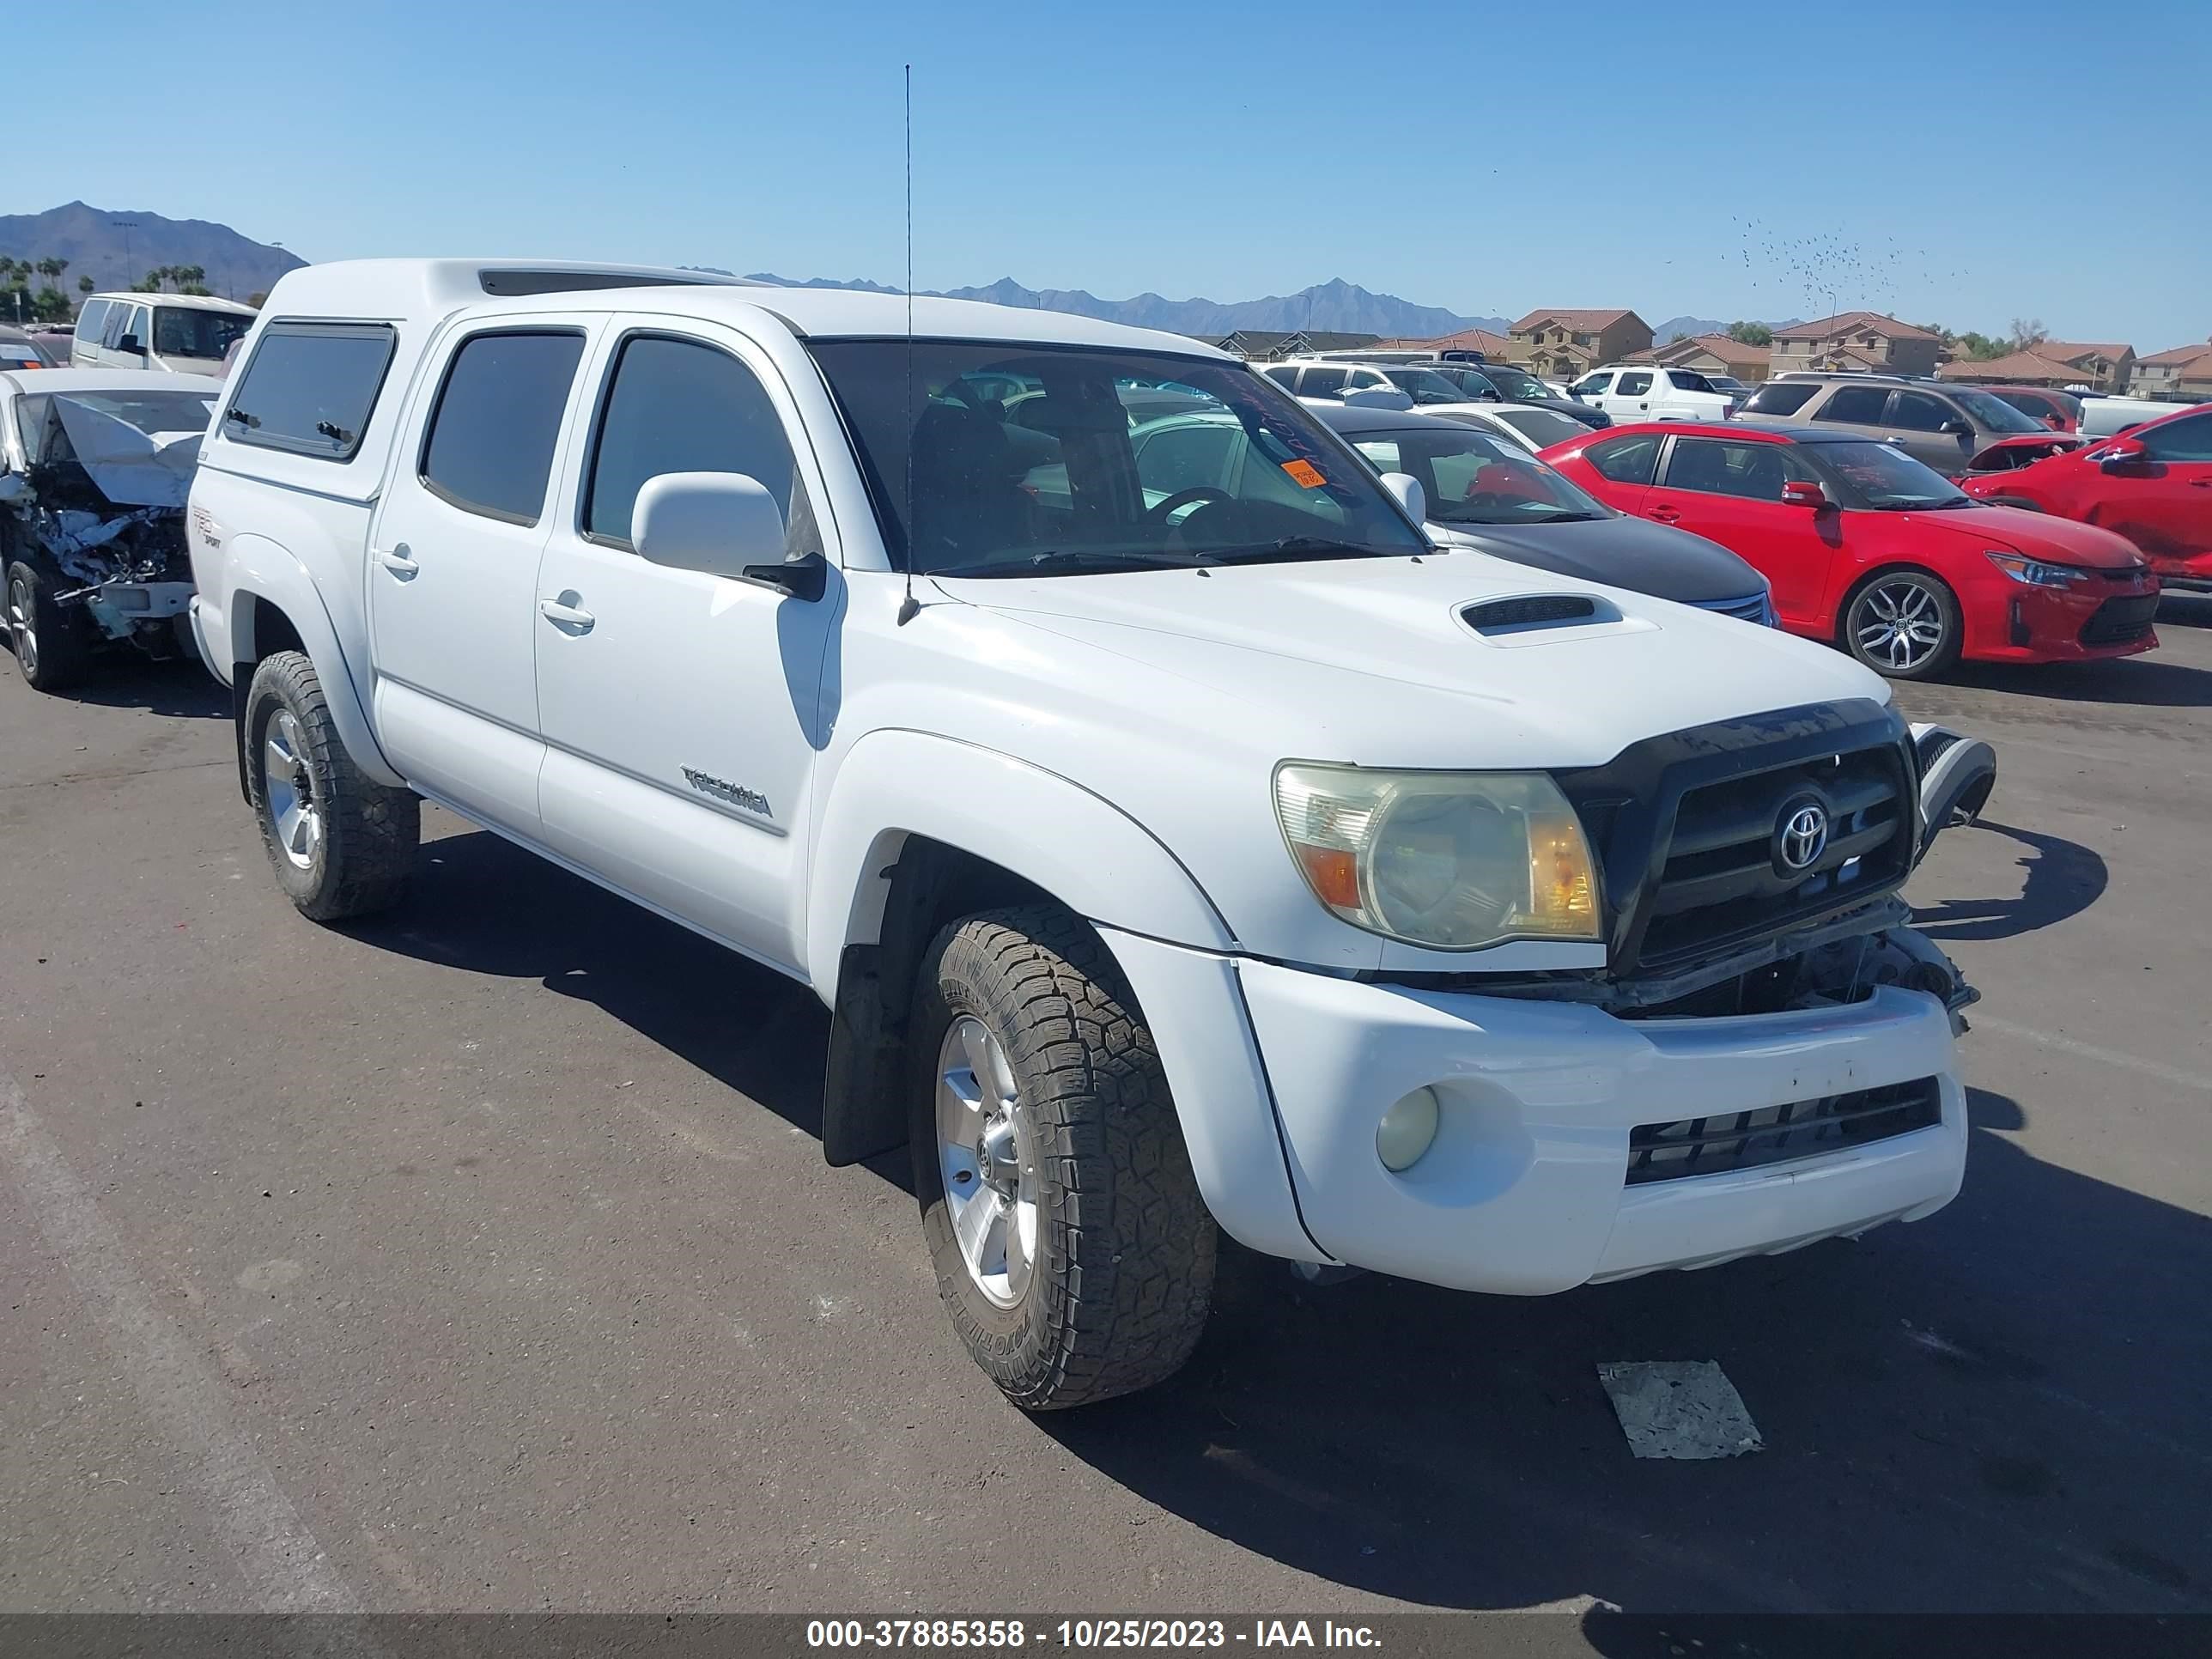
x,y
1945,161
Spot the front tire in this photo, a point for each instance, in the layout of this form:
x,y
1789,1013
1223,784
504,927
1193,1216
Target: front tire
x,y
341,843
1904,625
1072,1249
52,649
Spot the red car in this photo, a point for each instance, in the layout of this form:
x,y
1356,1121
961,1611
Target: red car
x,y
2154,486
2059,410
1868,548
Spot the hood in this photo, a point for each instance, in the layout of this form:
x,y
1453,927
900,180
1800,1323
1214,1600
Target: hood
x,y
2040,445
1589,414
1626,552
2034,535
1369,659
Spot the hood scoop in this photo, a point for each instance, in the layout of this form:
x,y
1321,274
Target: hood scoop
x,y
1526,613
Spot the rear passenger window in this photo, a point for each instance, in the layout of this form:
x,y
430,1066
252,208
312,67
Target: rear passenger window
x,y
1632,385
681,406
1782,397
1626,460
1859,404
490,445
1323,382
309,388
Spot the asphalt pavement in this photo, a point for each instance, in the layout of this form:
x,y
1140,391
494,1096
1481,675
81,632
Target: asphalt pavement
x,y
482,1257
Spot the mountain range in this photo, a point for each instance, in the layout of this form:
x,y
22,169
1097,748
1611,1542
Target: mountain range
x,y
1337,306
118,248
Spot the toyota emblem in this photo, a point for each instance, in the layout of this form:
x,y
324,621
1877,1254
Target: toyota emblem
x,y
1803,836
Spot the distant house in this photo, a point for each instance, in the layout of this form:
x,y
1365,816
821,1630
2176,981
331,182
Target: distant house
x,y
2032,366
1261,345
2100,368
1857,340
1563,344
2184,372
1492,346
1713,354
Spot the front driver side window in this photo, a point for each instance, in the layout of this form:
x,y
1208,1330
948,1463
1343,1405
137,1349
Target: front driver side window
x,y
2189,440
684,406
1592,386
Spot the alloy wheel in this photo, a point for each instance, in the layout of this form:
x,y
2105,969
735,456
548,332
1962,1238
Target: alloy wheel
x,y
1898,624
23,625
288,784
987,1154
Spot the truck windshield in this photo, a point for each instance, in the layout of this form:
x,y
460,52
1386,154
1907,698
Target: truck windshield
x,y
993,460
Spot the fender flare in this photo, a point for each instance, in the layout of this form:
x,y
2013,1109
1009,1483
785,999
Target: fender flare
x,y
267,573
1077,846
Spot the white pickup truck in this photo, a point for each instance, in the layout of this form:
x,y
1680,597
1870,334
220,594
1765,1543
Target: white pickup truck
x,y
1648,392
1170,854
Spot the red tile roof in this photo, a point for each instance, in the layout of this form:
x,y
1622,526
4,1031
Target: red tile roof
x,y
2188,354
1467,339
1728,350
2072,351
2015,366
1587,322
1851,322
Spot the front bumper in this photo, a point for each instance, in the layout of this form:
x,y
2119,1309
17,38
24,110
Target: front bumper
x,y
1525,1190
2026,623
120,608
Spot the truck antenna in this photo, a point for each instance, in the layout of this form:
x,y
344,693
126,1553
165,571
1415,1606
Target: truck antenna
x,y
909,606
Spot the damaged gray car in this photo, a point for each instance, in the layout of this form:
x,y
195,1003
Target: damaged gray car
x,y
94,467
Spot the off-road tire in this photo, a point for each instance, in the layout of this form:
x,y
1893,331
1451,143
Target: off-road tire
x,y
1940,662
59,652
1124,1255
370,831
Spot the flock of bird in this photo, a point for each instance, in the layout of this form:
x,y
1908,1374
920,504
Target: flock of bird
x,y
1827,272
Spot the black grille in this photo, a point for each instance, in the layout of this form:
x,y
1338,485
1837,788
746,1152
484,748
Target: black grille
x,y
1751,610
1723,877
2117,622
1778,1134
1685,828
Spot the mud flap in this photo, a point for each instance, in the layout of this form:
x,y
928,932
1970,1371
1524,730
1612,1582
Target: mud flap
x,y
1956,776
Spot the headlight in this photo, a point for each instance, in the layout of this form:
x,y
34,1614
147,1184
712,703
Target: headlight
x,y
1451,860
2034,572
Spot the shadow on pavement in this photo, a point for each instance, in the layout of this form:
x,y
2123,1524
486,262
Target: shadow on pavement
x,y
2144,681
2063,879
180,688
1999,1407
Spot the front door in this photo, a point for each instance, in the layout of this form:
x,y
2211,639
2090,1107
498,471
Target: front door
x,y
2165,500
1731,493
683,711
1917,420
453,573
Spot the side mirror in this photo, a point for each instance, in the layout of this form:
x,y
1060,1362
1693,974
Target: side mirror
x,y
2121,454
1405,489
1955,428
130,343
1803,492
720,523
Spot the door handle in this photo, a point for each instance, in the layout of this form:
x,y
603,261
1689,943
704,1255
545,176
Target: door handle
x,y
2200,483
398,562
565,615
1664,514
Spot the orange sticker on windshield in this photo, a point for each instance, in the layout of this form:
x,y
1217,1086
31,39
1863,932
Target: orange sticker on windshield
x,y
1305,473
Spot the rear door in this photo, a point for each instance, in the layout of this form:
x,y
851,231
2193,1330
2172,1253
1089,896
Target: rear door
x,y
452,564
1626,465
1630,398
1731,493
1854,405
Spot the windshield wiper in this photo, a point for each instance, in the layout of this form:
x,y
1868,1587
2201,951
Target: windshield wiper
x,y
1093,559
1307,547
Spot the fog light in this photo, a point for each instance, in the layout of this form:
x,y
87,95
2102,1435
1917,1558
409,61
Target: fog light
x,y
1407,1130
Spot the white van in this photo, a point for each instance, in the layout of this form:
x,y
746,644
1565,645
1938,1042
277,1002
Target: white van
x,y
184,333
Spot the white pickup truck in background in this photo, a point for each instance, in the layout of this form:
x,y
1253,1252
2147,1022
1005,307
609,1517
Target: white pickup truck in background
x,y
1646,392
1177,845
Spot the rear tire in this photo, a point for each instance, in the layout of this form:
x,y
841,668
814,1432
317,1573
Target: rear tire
x,y
1904,625
1073,1251
341,843
51,645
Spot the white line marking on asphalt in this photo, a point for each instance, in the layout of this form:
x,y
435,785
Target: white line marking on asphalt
x,y
2066,1045
282,1564
1679,1409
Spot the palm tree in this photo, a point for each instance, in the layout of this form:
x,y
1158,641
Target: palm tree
x,y
84,284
